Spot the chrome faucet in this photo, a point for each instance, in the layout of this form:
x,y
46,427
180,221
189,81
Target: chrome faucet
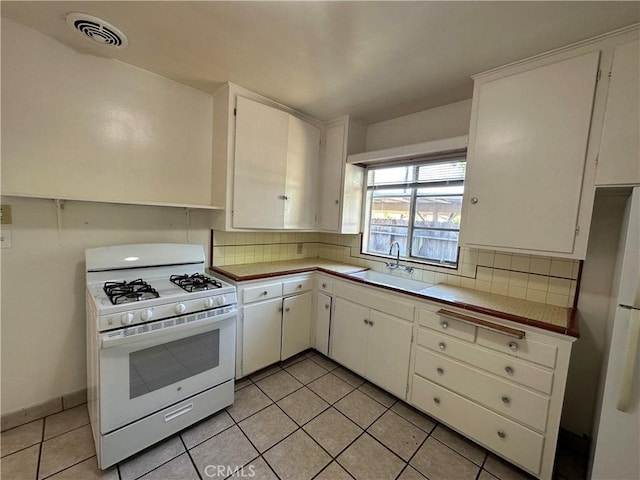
x,y
394,266
397,264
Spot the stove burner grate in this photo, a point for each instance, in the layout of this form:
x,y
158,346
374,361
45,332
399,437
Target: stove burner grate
x,y
195,282
127,292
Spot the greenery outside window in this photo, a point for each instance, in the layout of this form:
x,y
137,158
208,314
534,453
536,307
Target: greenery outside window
x,y
417,205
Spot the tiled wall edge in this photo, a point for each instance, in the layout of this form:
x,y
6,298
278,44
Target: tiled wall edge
x,y
41,410
548,280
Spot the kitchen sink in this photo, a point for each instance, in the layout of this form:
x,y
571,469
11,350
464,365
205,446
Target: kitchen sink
x,y
392,280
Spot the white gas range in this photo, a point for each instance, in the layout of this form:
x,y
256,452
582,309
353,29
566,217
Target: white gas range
x,y
160,344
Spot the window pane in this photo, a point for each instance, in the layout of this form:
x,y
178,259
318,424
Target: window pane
x,y
382,236
438,212
433,191
390,210
390,175
440,172
437,245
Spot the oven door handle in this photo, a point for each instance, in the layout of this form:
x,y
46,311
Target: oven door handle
x,y
205,324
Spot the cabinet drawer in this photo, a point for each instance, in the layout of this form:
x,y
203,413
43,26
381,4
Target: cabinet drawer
x,y
511,400
524,348
297,285
505,437
262,292
502,365
449,326
325,285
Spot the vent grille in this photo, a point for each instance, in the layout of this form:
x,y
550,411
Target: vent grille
x,y
97,30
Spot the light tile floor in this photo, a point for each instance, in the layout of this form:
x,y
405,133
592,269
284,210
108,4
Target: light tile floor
x,y
306,418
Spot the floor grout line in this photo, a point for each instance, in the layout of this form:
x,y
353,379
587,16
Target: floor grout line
x,y
298,427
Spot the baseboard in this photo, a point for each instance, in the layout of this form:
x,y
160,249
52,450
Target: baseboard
x,y
41,410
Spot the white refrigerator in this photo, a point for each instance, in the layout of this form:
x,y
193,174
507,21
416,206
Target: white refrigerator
x,y
616,455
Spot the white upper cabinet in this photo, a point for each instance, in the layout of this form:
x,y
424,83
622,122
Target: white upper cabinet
x,y
260,165
265,164
341,187
619,159
303,155
528,142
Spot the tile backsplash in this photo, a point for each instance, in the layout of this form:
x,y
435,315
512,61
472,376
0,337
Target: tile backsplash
x,y
540,279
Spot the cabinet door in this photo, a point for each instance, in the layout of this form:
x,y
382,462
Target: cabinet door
x,y
261,335
331,176
529,140
619,159
296,324
259,165
352,193
303,155
322,323
349,335
388,351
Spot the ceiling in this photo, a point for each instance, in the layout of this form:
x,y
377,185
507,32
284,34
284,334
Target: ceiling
x,y
374,60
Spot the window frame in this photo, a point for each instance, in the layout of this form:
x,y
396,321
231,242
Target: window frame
x,y
414,185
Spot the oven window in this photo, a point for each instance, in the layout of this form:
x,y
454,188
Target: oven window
x,y
156,367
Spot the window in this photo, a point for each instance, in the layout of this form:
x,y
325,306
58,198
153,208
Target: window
x,y
417,205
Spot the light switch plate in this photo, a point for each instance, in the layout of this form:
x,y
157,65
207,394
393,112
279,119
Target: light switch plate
x,y
5,214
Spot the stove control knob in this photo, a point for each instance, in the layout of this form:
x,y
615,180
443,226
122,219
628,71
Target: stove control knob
x,y
220,300
180,308
147,315
208,303
127,318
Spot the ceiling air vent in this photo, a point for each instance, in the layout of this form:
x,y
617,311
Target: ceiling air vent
x,y
97,30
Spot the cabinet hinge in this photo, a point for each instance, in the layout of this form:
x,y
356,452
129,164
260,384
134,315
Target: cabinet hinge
x,y
235,112
599,74
609,74
597,159
578,230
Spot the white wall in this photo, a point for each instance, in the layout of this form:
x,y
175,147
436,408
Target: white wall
x,y
43,286
593,310
441,122
86,127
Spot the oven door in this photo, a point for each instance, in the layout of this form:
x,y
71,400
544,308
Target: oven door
x,y
143,373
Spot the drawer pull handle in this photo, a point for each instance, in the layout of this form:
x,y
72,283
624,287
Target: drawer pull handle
x,y
440,371
366,322
176,413
265,293
444,324
506,400
324,285
442,345
476,322
513,346
371,323
286,309
327,306
299,286
501,434
509,370
436,400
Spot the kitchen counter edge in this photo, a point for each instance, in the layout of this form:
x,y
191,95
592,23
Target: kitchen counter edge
x,y
571,330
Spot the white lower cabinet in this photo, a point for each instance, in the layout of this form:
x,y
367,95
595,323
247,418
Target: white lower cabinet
x,y
499,383
261,336
374,344
505,437
501,386
296,324
275,321
322,322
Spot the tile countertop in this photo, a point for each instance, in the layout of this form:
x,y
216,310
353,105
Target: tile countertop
x,y
548,317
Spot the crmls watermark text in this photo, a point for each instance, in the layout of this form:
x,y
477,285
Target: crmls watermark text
x,y
224,471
